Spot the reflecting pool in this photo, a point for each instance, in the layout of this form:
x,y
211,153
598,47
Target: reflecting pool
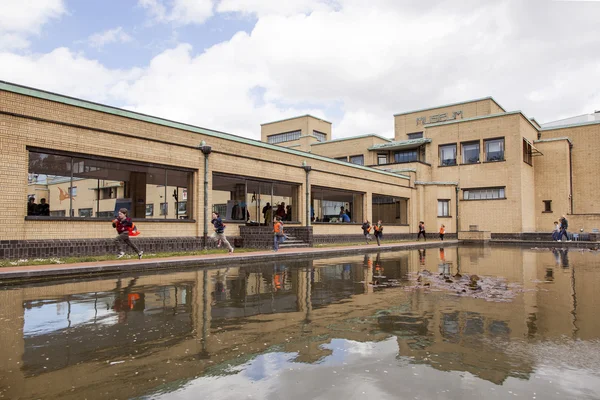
x,y
450,323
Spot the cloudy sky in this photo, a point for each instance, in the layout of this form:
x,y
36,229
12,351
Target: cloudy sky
x,y
234,64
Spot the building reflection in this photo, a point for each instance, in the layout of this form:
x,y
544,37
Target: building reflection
x,y
118,336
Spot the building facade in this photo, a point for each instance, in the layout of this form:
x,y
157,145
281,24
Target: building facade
x,y
469,165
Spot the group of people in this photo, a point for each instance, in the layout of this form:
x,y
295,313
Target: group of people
x,y
422,232
560,229
282,211
38,209
377,231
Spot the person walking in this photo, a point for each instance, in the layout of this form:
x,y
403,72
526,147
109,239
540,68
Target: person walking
x,y
556,231
124,227
442,231
278,235
564,225
378,228
366,227
421,231
219,234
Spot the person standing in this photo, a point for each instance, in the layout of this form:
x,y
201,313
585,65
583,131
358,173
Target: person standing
x,y
278,235
378,228
442,231
31,206
123,225
366,227
43,208
421,231
219,234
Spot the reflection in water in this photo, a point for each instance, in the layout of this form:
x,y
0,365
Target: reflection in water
x,y
324,328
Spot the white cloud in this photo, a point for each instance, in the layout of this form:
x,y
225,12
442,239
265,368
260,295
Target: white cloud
x,y
180,12
262,8
361,63
22,18
116,35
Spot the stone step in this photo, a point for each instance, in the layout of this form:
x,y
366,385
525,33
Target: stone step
x,y
285,245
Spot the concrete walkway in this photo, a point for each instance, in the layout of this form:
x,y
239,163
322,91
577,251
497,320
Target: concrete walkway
x,y
56,271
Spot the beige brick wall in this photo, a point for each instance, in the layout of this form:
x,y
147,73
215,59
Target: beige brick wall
x,y
350,147
305,123
228,156
586,162
551,183
407,123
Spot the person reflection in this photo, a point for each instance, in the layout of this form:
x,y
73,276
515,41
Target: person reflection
x,y
422,257
549,275
127,300
378,271
564,255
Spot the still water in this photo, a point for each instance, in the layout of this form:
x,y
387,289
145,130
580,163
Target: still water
x,y
356,327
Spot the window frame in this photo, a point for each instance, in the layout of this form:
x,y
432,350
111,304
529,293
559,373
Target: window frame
x,y
282,137
382,155
486,152
527,152
462,152
361,156
415,135
447,206
440,147
547,206
480,190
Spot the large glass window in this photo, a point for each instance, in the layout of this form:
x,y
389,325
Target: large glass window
x,y
358,160
336,206
405,156
484,194
284,137
494,149
390,209
244,199
470,153
93,187
448,154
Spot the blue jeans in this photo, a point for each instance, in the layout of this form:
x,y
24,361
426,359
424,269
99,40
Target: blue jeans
x,y
562,232
276,241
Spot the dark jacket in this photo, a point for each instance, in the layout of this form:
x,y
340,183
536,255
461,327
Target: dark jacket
x,y
366,227
564,224
123,225
218,224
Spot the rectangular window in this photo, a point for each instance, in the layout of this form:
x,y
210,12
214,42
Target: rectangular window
x,y
85,212
358,160
164,208
382,159
182,208
443,208
470,153
494,150
448,154
284,137
149,210
58,213
321,137
416,135
345,159
390,209
548,206
484,194
243,199
76,183
527,152
406,156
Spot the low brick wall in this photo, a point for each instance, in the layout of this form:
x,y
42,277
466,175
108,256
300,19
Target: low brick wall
x,y
329,239
543,236
474,236
27,249
261,237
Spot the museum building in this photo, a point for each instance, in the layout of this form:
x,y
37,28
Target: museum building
x,y
469,165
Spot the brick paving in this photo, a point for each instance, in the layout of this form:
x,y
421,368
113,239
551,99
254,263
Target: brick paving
x,y
37,272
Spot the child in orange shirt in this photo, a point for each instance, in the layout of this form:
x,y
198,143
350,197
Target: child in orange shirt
x,y
442,231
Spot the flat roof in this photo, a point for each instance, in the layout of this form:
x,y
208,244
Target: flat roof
x,y
352,138
298,117
553,128
72,101
457,121
553,140
402,144
452,104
